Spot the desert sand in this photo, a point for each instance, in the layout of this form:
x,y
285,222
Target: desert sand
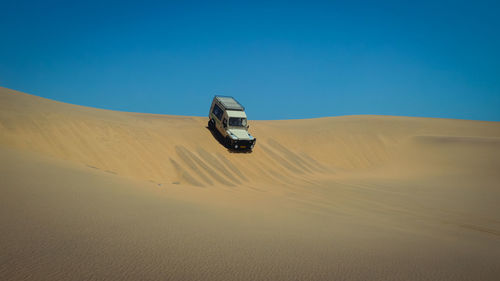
x,y
91,194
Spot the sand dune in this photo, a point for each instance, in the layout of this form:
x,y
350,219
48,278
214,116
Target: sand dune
x,y
90,194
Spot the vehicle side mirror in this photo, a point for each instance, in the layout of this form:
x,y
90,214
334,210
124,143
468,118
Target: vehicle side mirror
x,y
248,126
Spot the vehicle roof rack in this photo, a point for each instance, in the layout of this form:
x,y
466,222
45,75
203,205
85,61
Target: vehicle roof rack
x,y
229,103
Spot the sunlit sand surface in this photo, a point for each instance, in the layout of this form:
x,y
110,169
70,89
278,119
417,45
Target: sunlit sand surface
x,y
91,194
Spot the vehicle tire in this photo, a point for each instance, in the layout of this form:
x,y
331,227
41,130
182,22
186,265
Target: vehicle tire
x,y
227,142
211,124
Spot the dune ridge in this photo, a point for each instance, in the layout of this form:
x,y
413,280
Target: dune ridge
x,y
146,146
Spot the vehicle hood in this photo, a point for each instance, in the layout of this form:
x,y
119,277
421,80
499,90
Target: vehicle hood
x,y
241,134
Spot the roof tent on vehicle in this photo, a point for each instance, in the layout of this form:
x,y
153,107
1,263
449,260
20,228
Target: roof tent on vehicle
x,y
229,103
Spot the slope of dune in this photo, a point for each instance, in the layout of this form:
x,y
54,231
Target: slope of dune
x,y
90,194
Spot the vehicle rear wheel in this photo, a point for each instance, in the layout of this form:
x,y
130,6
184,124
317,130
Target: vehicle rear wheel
x,y
211,124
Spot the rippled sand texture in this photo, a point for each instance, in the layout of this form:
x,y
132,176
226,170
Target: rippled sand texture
x,y
90,194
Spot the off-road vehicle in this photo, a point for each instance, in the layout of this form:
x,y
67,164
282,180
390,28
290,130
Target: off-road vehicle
x,y
227,116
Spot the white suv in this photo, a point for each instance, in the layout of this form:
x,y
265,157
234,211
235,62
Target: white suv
x,y
228,117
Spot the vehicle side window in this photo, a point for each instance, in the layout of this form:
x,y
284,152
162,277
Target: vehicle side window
x,y
217,111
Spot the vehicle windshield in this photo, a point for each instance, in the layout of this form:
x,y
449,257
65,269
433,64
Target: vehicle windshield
x,y
237,122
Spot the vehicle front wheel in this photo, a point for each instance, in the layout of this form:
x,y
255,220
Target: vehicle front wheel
x,y
228,143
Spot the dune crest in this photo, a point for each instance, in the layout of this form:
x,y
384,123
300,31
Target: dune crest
x,y
180,149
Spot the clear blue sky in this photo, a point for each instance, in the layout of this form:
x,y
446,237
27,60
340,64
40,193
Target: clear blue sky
x,y
285,59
